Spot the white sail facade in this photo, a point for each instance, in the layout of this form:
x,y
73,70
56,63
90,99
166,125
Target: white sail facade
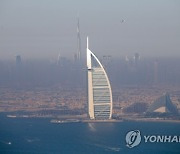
x,y
99,89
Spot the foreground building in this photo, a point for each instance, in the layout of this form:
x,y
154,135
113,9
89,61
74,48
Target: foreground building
x,y
99,89
163,105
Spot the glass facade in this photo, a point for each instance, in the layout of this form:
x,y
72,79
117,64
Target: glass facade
x,y
99,89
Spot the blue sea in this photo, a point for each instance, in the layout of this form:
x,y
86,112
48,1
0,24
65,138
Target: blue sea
x,y
38,135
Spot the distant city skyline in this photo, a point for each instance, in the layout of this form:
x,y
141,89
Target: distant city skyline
x,y
43,29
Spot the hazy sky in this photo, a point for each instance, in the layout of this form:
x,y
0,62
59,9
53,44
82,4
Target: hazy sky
x,y
45,28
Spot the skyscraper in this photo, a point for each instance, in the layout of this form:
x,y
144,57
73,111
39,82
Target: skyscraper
x,y
78,41
136,59
99,89
18,60
156,72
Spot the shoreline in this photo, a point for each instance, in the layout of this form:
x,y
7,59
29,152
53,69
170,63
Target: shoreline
x,y
69,119
153,120
113,120
133,120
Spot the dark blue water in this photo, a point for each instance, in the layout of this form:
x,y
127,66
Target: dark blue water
x,y
38,135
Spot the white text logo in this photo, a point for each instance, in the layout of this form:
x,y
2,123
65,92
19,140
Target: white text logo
x,y
133,138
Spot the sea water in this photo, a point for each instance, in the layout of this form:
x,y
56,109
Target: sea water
x,y
38,135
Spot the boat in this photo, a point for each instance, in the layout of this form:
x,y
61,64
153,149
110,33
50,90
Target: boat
x,y
64,121
11,116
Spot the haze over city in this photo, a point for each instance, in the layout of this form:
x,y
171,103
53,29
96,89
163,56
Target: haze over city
x,y
117,91
43,29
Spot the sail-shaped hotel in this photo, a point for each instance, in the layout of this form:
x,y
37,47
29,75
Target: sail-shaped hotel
x,y
99,89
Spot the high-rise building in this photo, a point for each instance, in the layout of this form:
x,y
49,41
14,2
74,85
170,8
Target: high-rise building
x,y
136,59
78,41
156,72
99,89
59,59
18,60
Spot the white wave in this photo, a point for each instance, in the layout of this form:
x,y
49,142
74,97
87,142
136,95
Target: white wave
x,y
6,142
34,139
108,147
